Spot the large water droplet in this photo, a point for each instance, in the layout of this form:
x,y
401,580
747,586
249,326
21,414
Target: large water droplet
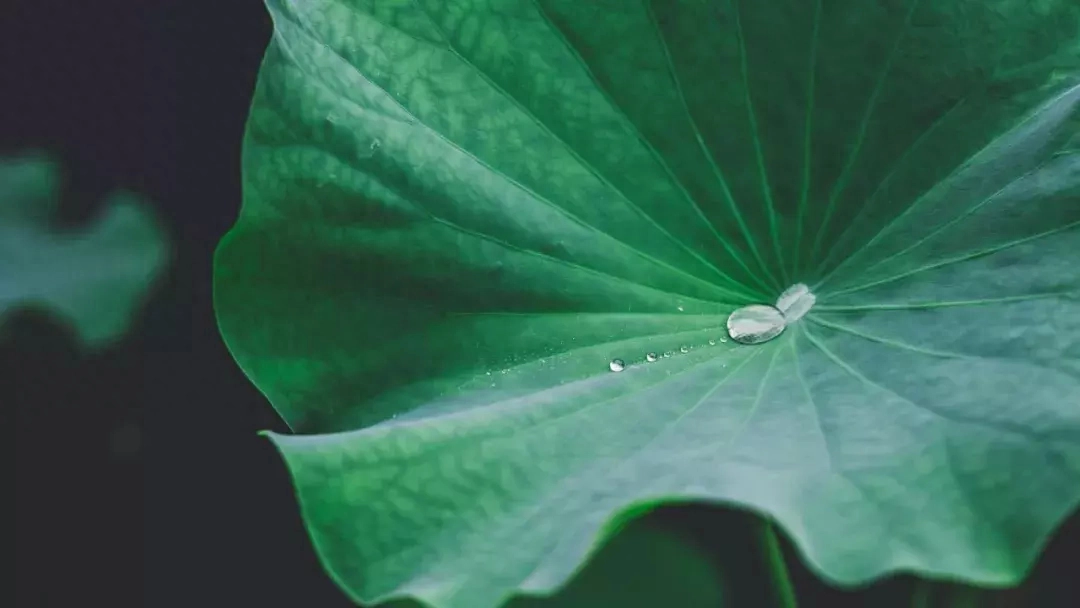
x,y
760,323
755,324
616,365
651,357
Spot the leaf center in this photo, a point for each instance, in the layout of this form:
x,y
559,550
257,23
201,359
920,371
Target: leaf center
x,y
759,323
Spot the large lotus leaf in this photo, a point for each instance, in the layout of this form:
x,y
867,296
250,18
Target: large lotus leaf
x,y
458,213
94,278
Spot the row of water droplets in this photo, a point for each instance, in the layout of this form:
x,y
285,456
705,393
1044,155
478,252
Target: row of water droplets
x,y
753,324
618,365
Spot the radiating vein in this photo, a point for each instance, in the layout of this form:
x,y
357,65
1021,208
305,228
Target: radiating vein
x,y
577,313
479,416
810,398
738,433
956,171
945,304
705,397
572,484
948,262
532,252
634,130
600,176
896,165
508,179
959,218
706,151
900,345
940,413
759,154
427,214
864,124
808,130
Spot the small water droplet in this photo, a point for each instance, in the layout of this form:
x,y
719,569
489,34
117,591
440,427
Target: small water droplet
x,y
668,353
616,365
375,144
650,357
487,373
712,342
680,309
795,302
684,349
723,339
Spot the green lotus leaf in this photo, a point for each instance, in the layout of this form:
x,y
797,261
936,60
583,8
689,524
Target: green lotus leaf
x,y
488,252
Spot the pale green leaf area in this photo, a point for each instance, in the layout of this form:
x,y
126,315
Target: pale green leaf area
x,y
457,213
94,278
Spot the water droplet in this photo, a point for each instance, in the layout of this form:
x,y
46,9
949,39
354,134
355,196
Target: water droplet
x,y
680,309
650,357
616,365
795,302
684,349
755,324
375,144
487,373
668,354
712,342
723,339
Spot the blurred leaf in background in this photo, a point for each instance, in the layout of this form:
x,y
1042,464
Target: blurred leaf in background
x,y
96,277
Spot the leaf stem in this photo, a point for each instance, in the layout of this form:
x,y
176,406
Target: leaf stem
x,y
964,596
920,596
774,561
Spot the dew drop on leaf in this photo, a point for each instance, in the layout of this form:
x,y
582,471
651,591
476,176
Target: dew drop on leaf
x,y
650,357
684,349
712,342
667,354
795,302
755,324
616,365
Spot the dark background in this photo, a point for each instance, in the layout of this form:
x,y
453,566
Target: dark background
x,y
139,479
